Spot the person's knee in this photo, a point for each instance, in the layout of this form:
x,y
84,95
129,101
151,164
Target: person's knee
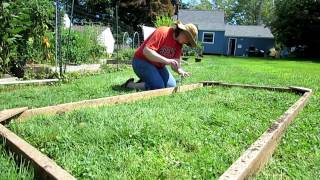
x,y
172,83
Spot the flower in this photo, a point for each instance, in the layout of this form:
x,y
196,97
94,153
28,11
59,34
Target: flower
x,y
46,42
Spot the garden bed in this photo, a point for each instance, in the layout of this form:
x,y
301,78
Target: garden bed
x,y
193,134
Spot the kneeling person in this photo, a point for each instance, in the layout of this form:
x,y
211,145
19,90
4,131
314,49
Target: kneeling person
x,y
163,47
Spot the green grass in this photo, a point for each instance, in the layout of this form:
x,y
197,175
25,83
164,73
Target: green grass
x,y
9,170
193,134
298,154
88,87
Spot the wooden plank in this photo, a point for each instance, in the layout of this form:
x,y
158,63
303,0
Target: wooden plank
x,y
41,81
217,83
254,158
9,113
300,89
61,108
114,61
45,168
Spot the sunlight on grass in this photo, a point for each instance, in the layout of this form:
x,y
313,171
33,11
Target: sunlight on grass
x,y
193,134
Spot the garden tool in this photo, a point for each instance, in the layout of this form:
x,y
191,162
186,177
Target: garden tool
x,y
181,80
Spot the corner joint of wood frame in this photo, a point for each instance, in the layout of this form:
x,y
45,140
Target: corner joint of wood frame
x,y
300,89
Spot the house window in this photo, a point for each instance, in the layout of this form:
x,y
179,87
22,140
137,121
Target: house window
x,y
208,37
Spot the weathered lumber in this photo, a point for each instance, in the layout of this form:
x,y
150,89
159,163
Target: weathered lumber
x,y
218,83
114,61
44,167
300,89
41,81
10,113
255,157
61,108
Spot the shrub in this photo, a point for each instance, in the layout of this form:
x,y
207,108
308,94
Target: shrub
x,y
22,28
163,21
125,54
12,25
197,51
83,46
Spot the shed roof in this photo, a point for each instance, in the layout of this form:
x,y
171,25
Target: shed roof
x,y
209,20
248,31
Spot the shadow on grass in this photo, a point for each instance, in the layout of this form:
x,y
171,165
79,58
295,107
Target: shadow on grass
x,y
293,59
119,88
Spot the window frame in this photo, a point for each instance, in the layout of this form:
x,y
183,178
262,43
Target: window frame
x,y
213,35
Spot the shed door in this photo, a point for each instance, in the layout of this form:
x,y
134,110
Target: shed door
x,y
232,46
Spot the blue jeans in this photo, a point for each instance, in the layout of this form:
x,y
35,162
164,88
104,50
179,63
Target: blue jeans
x,y
153,77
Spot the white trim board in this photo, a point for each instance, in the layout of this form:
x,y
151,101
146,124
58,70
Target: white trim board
x,y
235,46
213,36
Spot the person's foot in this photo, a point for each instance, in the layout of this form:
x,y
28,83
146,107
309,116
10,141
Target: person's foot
x,y
125,85
139,81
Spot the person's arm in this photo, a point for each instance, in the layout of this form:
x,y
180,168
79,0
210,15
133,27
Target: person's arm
x,y
181,71
152,55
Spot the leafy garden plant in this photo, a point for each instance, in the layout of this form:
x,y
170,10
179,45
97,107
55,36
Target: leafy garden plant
x,y
81,46
23,25
163,21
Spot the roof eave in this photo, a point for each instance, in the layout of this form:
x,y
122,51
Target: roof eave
x,y
250,37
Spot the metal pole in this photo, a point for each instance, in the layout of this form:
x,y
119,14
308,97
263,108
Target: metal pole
x,y
59,58
117,24
178,3
56,37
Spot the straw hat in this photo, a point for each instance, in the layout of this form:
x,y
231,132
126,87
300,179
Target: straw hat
x,y
191,31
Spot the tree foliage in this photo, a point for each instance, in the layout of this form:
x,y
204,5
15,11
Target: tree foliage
x,y
203,5
163,21
131,12
297,23
22,22
242,12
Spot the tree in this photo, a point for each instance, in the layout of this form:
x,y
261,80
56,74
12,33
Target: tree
x,y
253,10
203,5
296,23
138,12
242,12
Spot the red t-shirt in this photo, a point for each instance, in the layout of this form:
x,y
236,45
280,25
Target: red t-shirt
x,y
161,41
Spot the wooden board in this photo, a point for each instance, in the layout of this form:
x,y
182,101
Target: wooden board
x,y
10,113
217,83
113,61
254,158
62,108
45,168
300,89
42,81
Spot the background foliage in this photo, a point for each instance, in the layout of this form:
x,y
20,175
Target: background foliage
x,y
24,24
297,24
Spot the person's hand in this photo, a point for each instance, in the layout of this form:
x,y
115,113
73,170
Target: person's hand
x,y
173,63
183,73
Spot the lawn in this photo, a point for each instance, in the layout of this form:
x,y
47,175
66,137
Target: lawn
x,y
194,134
296,157
9,170
87,87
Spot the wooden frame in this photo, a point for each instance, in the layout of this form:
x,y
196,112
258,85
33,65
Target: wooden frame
x,y
251,161
5,115
41,81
